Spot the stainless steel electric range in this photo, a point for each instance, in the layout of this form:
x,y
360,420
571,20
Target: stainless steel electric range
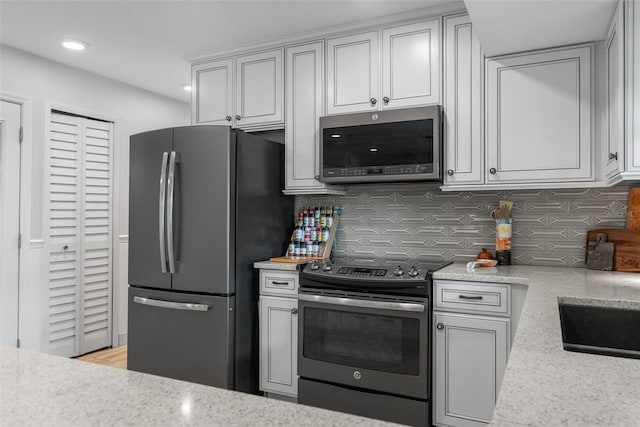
x,y
364,337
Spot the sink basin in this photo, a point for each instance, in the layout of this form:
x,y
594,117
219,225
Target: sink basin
x,y
604,327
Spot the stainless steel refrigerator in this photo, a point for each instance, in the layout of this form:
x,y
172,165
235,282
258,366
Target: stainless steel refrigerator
x,y
205,203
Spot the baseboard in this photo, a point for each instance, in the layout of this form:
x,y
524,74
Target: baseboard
x,y
122,339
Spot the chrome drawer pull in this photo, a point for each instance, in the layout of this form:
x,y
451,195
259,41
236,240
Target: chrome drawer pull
x,y
273,282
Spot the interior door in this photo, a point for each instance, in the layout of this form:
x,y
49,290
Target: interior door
x,y
9,221
79,240
145,195
203,209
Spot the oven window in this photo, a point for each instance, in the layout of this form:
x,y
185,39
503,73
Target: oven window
x,y
367,341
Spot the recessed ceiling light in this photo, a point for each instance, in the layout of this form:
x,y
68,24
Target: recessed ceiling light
x,y
74,44
186,86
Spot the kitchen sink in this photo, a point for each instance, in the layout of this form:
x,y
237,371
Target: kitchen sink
x,y
604,327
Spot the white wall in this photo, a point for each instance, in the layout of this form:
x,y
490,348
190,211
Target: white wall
x,y
134,110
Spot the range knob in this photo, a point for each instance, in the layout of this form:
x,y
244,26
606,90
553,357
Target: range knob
x,y
314,265
398,271
327,267
413,272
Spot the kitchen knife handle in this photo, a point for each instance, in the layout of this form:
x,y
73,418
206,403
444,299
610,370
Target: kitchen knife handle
x,y
171,181
162,203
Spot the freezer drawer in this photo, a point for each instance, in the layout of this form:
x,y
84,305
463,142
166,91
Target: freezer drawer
x,y
182,336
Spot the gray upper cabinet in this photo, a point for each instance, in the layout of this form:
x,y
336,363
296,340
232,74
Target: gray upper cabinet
x,y
463,85
212,93
411,64
245,92
539,117
352,73
613,155
404,71
621,148
304,106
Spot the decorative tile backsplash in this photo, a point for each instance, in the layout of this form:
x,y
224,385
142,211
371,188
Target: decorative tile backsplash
x,y
421,221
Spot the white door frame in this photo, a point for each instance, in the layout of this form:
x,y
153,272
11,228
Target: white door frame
x,y
115,208
26,109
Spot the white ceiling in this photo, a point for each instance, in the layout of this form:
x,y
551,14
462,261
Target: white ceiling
x,y
145,43
506,26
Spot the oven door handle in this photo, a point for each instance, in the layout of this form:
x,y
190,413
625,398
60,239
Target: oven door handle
x,y
352,302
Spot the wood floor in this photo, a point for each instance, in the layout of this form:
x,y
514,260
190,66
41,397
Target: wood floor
x,y
115,357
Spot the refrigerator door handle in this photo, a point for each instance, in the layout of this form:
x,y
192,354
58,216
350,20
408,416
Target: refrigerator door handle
x,y
161,211
170,304
171,183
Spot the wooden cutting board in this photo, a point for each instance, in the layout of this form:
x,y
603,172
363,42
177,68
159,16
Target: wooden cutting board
x,y
633,209
626,253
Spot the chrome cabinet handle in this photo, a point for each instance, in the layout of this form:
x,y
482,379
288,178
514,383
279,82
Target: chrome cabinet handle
x,y
238,117
440,326
162,203
228,118
373,101
477,298
386,99
171,181
613,156
450,172
294,311
170,304
492,171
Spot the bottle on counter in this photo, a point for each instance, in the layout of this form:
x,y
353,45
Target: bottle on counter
x,y
292,248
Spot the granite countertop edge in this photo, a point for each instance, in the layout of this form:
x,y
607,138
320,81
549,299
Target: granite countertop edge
x,y
543,384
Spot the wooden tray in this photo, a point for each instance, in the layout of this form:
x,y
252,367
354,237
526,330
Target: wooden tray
x,y
626,252
292,259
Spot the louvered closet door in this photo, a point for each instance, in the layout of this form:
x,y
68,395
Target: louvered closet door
x,y
80,152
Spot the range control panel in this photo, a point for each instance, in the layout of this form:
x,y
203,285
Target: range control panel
x,y
362,272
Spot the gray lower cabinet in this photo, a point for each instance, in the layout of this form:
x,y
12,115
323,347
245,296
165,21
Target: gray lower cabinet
x,y
471,343
470,358
279,333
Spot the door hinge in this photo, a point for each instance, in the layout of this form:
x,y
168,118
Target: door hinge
x,y
19,240
21,134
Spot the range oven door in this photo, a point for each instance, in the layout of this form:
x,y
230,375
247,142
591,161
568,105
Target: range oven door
x,y
367,342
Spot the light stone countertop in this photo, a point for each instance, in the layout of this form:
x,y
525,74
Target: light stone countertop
x,y
38,389
270,265
544,385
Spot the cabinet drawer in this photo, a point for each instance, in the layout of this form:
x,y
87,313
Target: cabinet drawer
x,y
472,297
277,282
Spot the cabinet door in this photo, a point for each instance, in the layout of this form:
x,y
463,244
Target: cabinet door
x,y
470,355
352,73
279,345
212,92
463,137
411,64
304,106
538,116
614,130
259,89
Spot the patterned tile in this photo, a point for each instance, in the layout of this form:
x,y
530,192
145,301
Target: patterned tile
x,y
420,221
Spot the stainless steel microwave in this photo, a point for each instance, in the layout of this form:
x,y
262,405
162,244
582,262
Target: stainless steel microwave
x,y
383,146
